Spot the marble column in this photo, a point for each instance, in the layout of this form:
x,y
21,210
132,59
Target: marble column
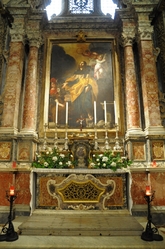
x,y
13,81
30,97
131,90
149,81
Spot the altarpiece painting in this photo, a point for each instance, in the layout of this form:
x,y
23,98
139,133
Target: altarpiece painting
x,y
81,73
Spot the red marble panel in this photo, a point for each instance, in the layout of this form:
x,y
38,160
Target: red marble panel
x,y
44,199
139,182
22,185
22,181
6,180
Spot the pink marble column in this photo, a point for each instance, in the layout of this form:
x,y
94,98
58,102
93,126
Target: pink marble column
x,y
149,85
132,103
13,85
30,102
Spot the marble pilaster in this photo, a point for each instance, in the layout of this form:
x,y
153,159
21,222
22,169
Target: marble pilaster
x,y
149,82
13,81
132,103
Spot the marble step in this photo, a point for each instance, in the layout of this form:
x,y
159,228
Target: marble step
x,y
73,223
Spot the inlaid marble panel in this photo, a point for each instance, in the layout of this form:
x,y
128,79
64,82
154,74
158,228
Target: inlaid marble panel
x,y
5,151
22,183
158,150
139,151
24,150
117,200
139,182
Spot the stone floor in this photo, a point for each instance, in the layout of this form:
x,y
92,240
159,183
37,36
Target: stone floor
x,y
84,241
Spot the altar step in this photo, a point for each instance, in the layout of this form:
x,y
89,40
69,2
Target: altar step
x,y
81,223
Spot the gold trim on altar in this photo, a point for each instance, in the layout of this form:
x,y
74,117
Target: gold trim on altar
x,y
81,192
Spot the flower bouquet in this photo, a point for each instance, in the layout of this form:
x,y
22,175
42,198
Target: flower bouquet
x,y
109,160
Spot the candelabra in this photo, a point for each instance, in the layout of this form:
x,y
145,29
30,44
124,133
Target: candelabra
x,y
55,138
150,232
66,137
107,147
117,145
8,233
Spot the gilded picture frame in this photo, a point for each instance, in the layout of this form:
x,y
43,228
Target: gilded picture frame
x,y
77,75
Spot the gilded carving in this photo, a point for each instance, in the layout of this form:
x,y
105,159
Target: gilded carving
x,y
81,189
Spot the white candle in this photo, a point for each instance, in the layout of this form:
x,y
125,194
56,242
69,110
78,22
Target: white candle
x,y
95,112
116,121
105,111
56,112
66,112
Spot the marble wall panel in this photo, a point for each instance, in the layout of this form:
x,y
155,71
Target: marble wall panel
x,y
6,180
139,151
139,182
5,151
116,200
24,151
22,183
158,150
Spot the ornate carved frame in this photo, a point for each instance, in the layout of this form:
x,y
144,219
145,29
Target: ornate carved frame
x,y
46,84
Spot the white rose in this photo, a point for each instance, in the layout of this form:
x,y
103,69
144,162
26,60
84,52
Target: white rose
x,y
46,164
105,159
113,164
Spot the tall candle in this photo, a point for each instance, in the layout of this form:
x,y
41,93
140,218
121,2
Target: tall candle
x,y
105,111
116,121
56,112
66,112
95,112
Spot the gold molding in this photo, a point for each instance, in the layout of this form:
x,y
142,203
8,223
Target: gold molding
x,y
81,192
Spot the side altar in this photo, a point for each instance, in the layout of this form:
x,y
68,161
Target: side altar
x,y
80,176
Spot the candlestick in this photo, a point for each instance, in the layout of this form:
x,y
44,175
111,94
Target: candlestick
x,y
115,113
12,191
66,113
56,112
95,112
105,111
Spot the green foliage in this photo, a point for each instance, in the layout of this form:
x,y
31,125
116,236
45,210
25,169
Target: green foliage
x,y
109,160
53,159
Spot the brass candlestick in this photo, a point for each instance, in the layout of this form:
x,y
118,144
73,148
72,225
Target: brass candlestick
x,y
117,145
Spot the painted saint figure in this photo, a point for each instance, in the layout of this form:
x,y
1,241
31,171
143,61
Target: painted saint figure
x,y
83,90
